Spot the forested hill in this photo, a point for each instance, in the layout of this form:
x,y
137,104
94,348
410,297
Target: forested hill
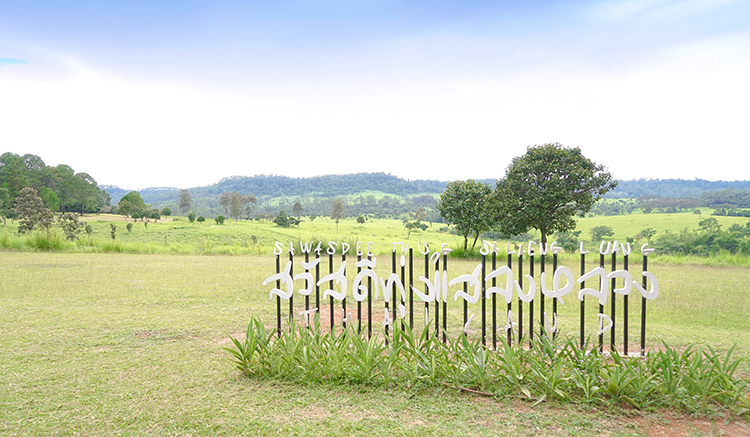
x,y
264,186
672,187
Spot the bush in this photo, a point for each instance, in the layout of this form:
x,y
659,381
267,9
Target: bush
x,y
220,220
201,219
696,380
191,217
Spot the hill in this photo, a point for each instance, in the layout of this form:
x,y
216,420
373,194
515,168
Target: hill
x,y
378,193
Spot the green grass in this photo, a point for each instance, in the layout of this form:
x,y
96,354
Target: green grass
x,y
113,344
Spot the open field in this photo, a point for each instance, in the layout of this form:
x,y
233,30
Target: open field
x,y
113,344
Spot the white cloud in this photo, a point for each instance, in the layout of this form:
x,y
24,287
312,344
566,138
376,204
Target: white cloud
x,y
658,10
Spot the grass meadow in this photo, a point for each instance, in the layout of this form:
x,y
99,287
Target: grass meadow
x,y
128,341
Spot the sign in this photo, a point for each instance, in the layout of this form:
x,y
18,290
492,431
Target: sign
x,y
484,285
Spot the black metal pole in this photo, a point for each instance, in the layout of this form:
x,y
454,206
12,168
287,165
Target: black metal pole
x,y
509,332
554,301
278,298
613,300
625,310
520,302
583,301
445,301
531,302
330,285
494,303
542,309
437,301
411,290
484,300
307,297
343,301
601,307
291,297
359,302
369,301
317,278
643,307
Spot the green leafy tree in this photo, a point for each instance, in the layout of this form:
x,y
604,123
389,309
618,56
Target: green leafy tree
x,y
113,230
191,217
361,220
166,211
32,214
282,219
236,204
129,227
465,205
5,209
185,201
648,234
220,219
599,232
200,219
70,225
337,212
130,203
546,188
297,209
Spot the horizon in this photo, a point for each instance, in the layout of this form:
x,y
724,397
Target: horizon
x,y
144,94
408,180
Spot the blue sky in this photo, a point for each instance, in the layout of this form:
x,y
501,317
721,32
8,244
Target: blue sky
x,y
143,94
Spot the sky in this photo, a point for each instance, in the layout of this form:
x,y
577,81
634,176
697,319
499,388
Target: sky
x,y
182,94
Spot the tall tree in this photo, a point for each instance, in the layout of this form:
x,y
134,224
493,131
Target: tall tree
x,y
131,203
186,201
546,187
337,212
465,205
237,204
32,214
5,210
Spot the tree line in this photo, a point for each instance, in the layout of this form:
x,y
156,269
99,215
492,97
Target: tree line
x,y
60,188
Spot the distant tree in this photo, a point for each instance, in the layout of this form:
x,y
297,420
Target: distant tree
x,y
31,212
50,199
568,240
546,187
599,232
297,209
709,225
225,200
129,227
361,220
220,219
191,217
201,219
70,225
648,234
236,203
282,219
337,212
186,201
465,205
130,203
5,209
166,211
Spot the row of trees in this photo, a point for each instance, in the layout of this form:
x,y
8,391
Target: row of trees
x,y
708,239
543,190
60,188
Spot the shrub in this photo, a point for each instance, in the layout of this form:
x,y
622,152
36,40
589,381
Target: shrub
x,y
220,220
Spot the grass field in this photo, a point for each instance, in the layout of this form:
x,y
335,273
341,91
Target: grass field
x,y
131,343
113,344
